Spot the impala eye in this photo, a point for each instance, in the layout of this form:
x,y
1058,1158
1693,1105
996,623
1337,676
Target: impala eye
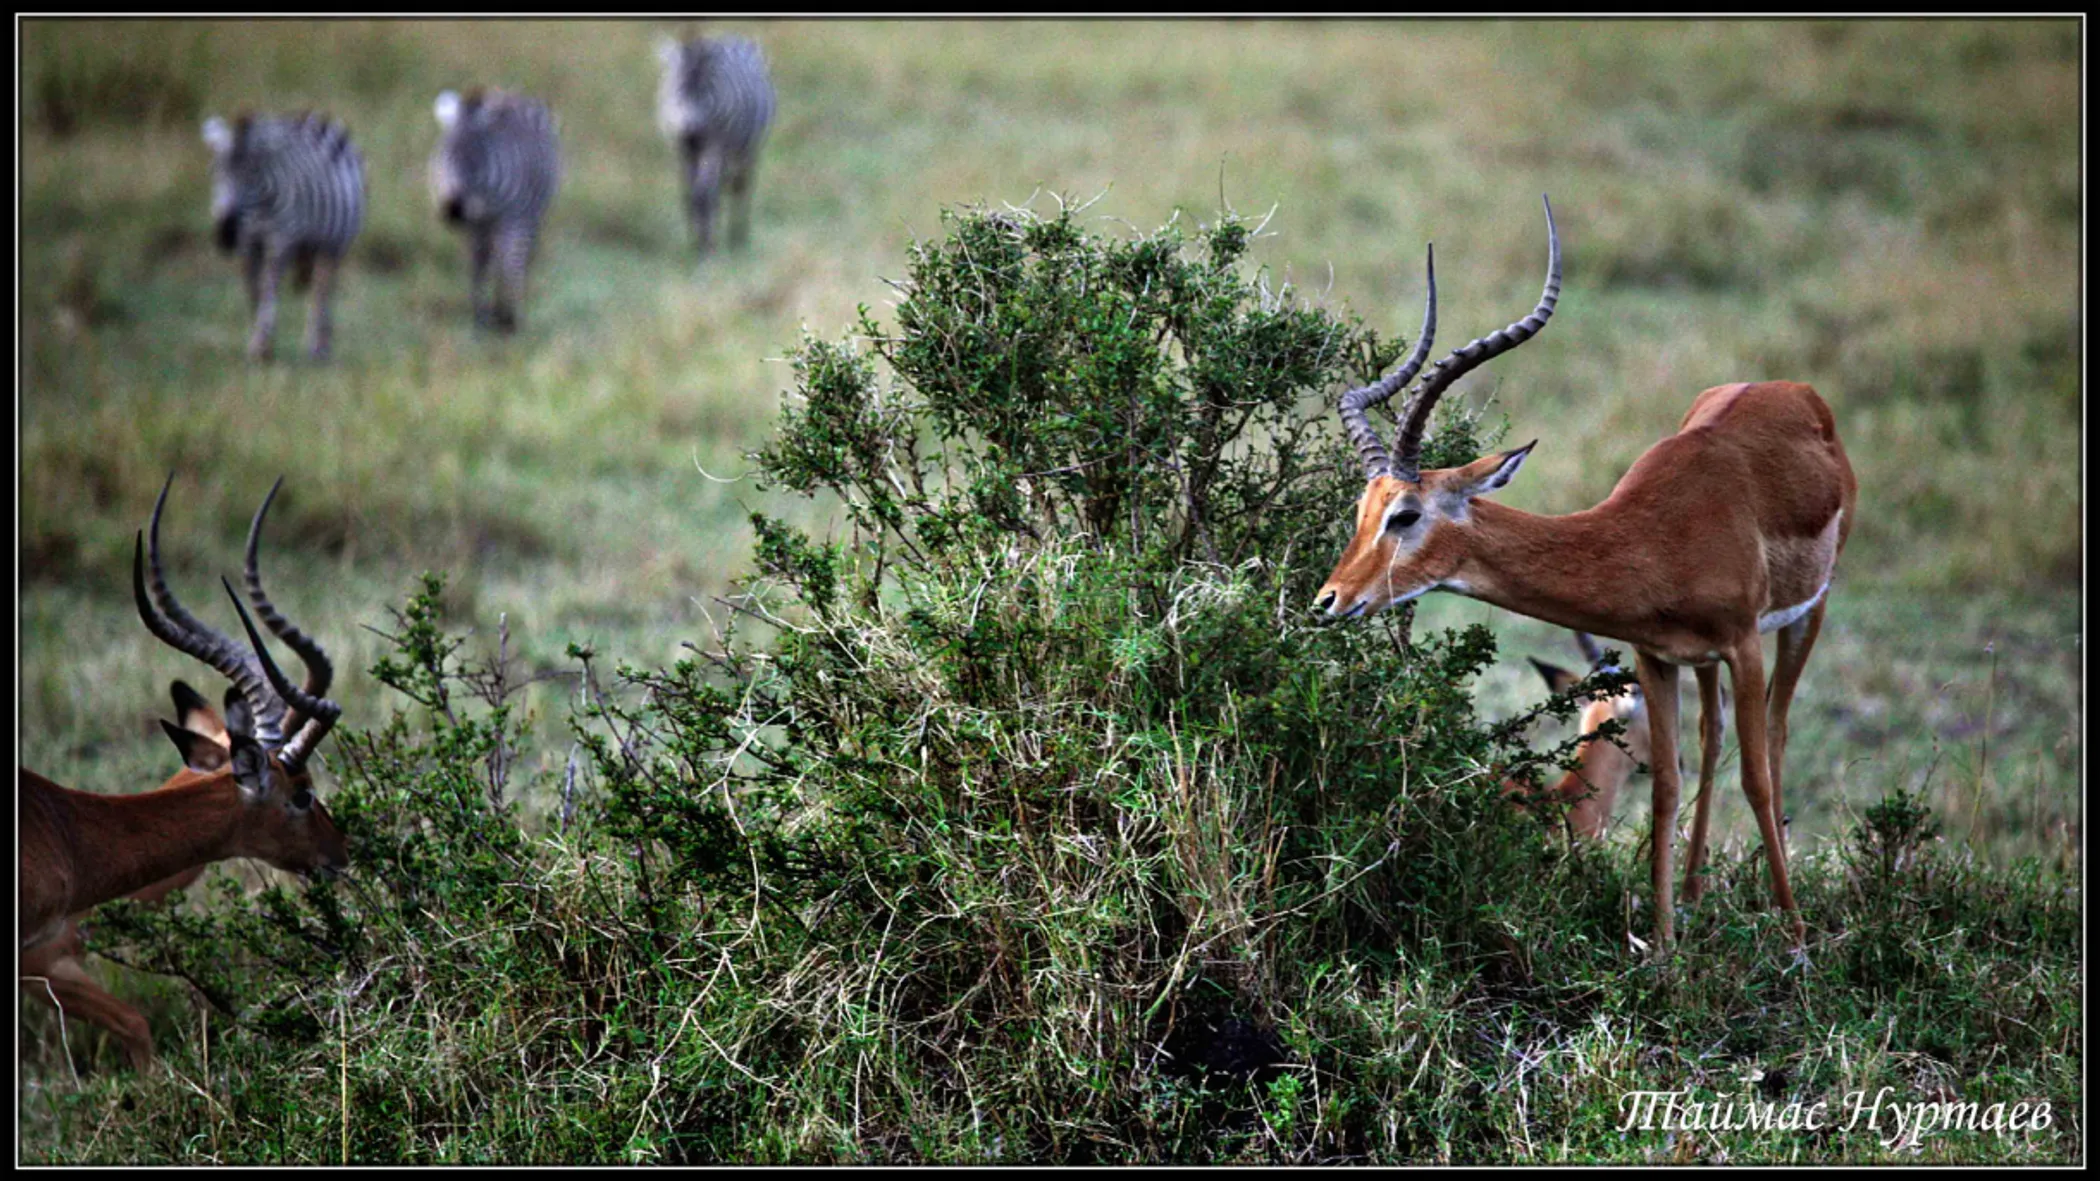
x,y
303,799
1403,519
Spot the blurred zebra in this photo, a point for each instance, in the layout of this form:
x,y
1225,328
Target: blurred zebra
x,y
716,102
494,173
285,189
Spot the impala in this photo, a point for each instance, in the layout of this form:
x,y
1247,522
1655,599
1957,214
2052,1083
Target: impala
x,y
1728,529
244,791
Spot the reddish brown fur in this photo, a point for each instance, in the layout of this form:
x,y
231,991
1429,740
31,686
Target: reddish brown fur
x,y
80,849
51,968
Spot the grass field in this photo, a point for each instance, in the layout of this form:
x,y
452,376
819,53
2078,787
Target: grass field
x,y
1889,211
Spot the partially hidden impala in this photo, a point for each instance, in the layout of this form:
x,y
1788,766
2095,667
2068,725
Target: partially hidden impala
x,y
244,791
1724,531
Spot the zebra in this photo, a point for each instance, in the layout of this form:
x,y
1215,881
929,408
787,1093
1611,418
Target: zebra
x,y
715,101
494,173
285,189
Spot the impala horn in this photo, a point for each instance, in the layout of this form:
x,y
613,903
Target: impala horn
x,y
1357,402
1415,419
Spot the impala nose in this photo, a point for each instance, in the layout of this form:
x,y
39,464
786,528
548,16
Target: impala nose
x,y
1325,603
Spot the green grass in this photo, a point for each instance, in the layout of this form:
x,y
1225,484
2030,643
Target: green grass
x,y
1889,211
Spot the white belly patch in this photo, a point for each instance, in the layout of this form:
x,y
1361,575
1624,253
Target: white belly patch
x,y
1772,621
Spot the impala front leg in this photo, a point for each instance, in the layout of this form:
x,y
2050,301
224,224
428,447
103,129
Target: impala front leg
x,y
1659,685
1747,664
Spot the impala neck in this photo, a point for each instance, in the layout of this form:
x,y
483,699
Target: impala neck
x,y
1574,571
143,838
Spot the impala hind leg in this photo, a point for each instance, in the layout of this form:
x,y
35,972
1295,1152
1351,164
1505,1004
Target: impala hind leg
x,y
1796,641
1659,685
54,974
1709,757
1746,663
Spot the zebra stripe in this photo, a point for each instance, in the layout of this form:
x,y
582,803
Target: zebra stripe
x,y
494,173
286,189
715,102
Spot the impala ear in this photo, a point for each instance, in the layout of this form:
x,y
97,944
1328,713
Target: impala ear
x,y
1488,473
251,767
1557,678
195,714
199,752
239,722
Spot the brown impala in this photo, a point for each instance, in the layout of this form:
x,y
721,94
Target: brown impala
x,y
244,791
1728,529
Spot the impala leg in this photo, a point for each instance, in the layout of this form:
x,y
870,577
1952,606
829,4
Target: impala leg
x,y
1796,640
54,974
320,324
1659,684
1709,757
266,305
1746,663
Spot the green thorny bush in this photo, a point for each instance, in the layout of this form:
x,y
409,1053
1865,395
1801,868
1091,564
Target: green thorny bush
x,y
1049,783
1042,821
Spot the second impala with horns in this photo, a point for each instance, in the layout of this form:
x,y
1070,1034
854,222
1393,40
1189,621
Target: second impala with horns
x,y
250,797
1728,529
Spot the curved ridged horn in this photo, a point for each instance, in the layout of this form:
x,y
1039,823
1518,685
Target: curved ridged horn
x,y
320,712
1408,442
1357,402
319,671
165,616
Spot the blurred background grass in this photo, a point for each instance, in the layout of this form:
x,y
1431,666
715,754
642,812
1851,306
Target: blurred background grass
x,y
1886,210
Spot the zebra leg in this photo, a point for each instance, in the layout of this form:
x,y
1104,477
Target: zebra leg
x,y
703,187
740,201
251,274
320,327
514,255
478,248
266,304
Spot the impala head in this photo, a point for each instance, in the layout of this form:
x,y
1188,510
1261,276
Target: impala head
x,y
1627,706
270,727
1411,525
